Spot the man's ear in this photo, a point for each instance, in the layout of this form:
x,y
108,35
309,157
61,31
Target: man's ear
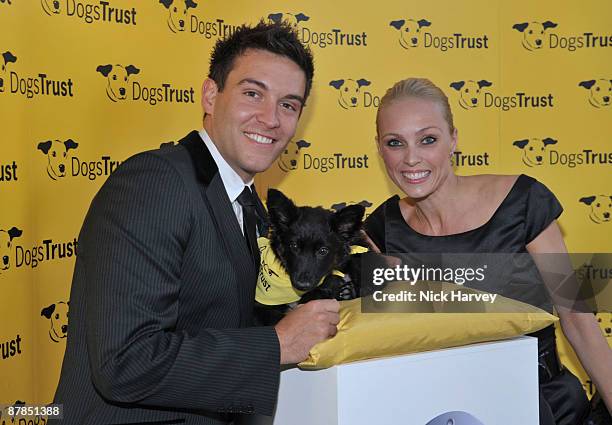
x,y
209,95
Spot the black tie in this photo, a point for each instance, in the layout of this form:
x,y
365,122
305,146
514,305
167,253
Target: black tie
x,y
249,214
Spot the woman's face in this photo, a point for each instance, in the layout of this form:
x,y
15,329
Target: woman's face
x,y
416,144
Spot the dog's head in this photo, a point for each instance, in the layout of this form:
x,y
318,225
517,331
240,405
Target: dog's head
x,y
57,156
7,57
311,242
290,18
178,13
6,240
601,207
117,77
288,159
600,91
58,316
533,33
410,31
51,7
534,150
469,92
348,91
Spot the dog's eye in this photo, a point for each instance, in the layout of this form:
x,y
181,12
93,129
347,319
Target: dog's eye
x,y
597,89
530,148
530,31
293,245
175,9
57,316
598,205
323,251
467,90
114,77
346,89
54,154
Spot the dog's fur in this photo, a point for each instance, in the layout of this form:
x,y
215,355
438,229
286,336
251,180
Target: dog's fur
x,y
410,31
6,240
349,91
600,91
7,57
533,33
57,155
533,150
117,77
311,242
469,92
601,207
58,316
178,10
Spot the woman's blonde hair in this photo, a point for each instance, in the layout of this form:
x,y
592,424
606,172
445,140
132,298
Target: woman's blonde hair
x,y
420,88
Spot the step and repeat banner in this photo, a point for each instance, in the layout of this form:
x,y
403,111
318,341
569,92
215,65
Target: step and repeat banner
x,y
84,84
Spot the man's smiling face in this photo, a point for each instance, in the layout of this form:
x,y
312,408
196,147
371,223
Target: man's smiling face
x,y
256,114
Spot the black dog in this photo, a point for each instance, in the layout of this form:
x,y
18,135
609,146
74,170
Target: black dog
x,y
310,243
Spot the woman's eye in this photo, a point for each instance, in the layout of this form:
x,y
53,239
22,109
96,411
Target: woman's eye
x,y
394,143
323,251
428,140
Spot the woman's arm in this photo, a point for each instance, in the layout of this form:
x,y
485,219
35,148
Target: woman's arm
x,y
581,329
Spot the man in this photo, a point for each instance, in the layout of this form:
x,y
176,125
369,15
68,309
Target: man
x,y
163,289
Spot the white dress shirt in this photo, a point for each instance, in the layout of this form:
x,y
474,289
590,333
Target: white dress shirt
x,y
231,180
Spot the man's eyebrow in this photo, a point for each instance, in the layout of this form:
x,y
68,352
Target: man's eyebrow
x,y
263,86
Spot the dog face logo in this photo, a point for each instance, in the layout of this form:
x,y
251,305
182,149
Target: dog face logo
x,y
6,241
288,159
469,92
51,7
349,91
117,78
290,18
533,33
58,317
600,91
605,323
601,207
533,150
7,57
410,31
178,13
57,156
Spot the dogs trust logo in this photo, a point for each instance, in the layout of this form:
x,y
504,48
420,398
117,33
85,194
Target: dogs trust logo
x,y
6,242
57,156
89,13
351,95
533,33
117,77
178,13
600,92
473,94
410,31
600,207
534,150
469,92
413,34
288,159
7,57
57,314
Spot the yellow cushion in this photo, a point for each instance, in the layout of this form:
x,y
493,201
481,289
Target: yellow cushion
x,y
415,327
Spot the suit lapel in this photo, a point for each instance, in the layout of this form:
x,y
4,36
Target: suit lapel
x,y
218,203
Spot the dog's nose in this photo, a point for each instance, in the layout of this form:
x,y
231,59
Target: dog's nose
x,y
122,91
302,285
62,168
293,162
64,328
181,23
414,40
1,82
605,98
539,42
539,158
56,4
474,101
5,260
606,215
354,100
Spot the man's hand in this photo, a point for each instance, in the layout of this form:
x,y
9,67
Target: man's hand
x,y
304,327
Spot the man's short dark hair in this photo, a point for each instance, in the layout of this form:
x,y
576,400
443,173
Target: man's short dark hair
x,y
279,38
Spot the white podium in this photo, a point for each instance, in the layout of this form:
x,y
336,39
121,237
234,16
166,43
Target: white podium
x,y
496,383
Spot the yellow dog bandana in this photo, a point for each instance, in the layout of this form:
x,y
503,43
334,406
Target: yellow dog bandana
x,y
273,283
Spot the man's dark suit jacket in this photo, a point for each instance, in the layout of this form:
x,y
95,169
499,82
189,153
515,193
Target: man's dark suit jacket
x,y
162,299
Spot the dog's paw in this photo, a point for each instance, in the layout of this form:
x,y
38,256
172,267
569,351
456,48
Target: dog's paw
x,y
346,291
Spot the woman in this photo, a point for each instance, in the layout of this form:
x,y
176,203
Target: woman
x,y
446,213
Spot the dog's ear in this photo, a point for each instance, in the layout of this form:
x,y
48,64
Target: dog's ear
x,y
302,144
70,144
484,83
363,82
586,84
398,24
104,69
339,206
166,3
300,17
587,199
549,141
48,311
14,232
166,145
336,84
9,57
45,146
424,23
281,209
521,143
548,24
520,27
275,17
457,85
131,69
347,221
365,204
190,4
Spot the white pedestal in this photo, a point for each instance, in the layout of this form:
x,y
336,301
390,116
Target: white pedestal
x,y
496,382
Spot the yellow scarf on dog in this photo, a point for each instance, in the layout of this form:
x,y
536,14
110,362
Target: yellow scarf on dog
x,y
273,283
